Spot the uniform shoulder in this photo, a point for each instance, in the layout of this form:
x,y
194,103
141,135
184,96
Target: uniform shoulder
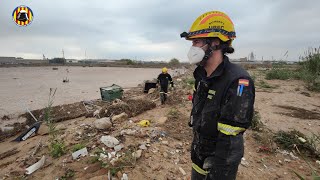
x,y
236,70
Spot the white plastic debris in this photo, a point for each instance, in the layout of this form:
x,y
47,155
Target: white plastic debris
x,y
293,156
81,152
118,147
182,171
103,156
36,166
287,160
124,177
302,140
143,147
244,162
109,141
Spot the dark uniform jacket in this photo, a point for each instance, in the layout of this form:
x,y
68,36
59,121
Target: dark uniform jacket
x,y
222,111
164,79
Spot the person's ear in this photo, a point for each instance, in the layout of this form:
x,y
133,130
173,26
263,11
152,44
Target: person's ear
x,y
215,42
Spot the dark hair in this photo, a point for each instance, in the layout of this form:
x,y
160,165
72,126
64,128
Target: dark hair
x,y
226,48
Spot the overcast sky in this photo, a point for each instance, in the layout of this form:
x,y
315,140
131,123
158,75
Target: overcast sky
x,y
150,29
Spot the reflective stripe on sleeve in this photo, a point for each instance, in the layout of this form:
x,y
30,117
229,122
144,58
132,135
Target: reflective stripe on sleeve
x,y
230,130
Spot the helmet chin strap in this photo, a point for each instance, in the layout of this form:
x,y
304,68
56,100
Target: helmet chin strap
x,y
208,52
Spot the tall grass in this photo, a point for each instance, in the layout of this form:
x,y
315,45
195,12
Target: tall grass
x,y
308,70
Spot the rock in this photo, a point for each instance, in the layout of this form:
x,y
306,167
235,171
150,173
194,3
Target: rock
x,y
165,155
162,120
120,118
93,168
118,147
182,171
103,123
43,130
137,154
109,141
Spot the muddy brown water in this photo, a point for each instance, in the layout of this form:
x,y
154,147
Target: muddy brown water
x,y
28,87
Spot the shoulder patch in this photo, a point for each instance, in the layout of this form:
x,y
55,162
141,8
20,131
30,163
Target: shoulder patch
x,y
244,82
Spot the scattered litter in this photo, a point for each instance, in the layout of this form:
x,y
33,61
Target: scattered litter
x,y
25,135
128,132
85,168
6,129
120,118
302,140
144,123
318,162
182,171
118,147
124,177
96,113
137,154
264,149
284,152
109,141
103,156
81,152
143,147
244,162
179,80
36,166
293,156
260,169
190,97
287,160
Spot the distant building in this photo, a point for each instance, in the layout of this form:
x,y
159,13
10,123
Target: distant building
x,y
8,60
244,59
58,61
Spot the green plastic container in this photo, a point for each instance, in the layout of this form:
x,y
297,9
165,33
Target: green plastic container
x,y
111,93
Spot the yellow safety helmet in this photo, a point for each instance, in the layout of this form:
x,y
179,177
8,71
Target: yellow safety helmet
x,y
212,24
164,70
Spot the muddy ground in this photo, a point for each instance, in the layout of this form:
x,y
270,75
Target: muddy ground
x,y
165,143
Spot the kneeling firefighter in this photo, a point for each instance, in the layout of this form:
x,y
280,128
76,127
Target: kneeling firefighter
x,y
223,100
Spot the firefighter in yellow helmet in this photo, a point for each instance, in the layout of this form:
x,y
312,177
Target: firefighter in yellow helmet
x,y
164,79
223,100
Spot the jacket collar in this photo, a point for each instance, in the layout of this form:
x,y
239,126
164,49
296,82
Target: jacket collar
x,y
200,72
